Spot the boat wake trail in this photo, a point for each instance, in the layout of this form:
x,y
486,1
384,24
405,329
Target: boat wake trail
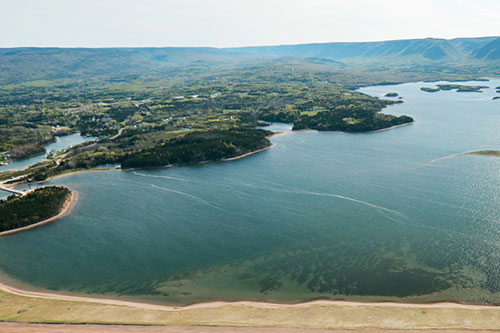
x,y
333,195
338,196
185,194
156,176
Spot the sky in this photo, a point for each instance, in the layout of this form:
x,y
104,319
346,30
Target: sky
x,y
226,23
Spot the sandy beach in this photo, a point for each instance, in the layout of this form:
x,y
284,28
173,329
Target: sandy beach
x,y
262,305
247,154
225,316
66,209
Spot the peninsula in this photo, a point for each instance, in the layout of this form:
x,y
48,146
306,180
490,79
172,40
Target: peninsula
x,y
35,208
494,153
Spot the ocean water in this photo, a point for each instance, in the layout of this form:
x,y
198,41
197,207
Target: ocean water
x,y
393,215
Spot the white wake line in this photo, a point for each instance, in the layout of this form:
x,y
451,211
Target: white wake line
x,y
189,196
155,176
352,199
338,196
185,194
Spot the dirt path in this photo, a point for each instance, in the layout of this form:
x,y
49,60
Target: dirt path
x,y
63,328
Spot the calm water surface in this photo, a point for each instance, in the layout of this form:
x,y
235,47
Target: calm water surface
x,y
62,142
387,215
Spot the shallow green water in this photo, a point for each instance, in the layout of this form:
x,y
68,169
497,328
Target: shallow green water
x,y
387,215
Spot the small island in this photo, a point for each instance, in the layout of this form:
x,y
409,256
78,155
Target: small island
x,y
496,97
391,94
457,87
430,90
35,208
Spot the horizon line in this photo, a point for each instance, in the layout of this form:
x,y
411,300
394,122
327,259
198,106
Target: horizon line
x,y
243,46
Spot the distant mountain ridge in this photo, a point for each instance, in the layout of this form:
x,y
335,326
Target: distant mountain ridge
x,y
26,64
428,49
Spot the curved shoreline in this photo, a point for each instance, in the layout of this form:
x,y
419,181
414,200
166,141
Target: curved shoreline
x,y
72,198
358,132
247,154
65,210
262,305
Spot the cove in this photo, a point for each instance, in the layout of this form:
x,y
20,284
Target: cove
x,y
392,215
61,143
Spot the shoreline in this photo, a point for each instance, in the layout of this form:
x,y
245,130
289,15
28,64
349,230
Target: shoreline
x,y
392,127
72,198
254,304
192,164
247,154
77,171
363,132
65,210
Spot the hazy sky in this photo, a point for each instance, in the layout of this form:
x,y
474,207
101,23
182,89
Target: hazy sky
x,y
98,23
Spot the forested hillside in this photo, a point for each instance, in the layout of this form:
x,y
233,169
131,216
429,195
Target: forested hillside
x,y
143,102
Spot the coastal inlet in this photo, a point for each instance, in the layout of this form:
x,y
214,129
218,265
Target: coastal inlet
x,y
391,215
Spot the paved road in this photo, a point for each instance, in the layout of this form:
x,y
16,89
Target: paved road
x,y
4,188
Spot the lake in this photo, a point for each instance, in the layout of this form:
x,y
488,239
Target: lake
x,y
391,215
61,143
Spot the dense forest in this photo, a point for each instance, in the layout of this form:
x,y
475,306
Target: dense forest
x,y
24,140
199,147
36,206
346,122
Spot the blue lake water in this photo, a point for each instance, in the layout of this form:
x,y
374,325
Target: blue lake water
x,y
392,215
62,142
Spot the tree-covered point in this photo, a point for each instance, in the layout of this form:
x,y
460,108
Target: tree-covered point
x,y
391,94
36,206
350,122
495,153
200,146
338,111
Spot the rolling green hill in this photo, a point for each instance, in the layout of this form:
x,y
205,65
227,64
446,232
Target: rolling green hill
x,y
32,64
29,64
